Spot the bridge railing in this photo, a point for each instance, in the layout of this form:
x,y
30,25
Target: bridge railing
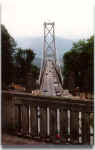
x,y
52,119
43,67
59,73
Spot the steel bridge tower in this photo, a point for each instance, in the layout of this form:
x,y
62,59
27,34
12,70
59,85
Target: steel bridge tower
x,y
49,49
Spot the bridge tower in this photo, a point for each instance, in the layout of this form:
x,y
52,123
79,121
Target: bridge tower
x,y
49,49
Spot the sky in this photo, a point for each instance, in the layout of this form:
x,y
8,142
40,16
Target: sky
x,y
73,18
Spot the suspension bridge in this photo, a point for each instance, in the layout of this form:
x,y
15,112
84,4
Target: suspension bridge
x,y
51,80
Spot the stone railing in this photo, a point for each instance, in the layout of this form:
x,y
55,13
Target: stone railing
x,y
52,119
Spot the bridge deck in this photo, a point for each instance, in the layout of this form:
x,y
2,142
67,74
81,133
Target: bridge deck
x,y
51,85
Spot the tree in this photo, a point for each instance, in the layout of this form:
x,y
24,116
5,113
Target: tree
x,y
79,61
8,46
24,65
16,62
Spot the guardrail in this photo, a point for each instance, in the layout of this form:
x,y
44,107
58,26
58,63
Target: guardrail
x,y
42,73
59,74
48,118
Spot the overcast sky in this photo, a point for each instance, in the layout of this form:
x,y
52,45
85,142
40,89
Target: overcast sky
x,y
73,18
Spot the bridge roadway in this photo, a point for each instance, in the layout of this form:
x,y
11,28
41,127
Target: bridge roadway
x,y
50,83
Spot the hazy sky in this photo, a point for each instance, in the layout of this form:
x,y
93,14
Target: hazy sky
x,y
73,18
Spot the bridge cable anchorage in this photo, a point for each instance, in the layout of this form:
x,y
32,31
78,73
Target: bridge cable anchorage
x,y
50,77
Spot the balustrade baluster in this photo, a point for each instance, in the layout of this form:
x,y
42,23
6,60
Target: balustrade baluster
x,y
58,121
43,122
25,119
16,118
80,128
29,119
53,122
64,124
72,127
12,113
34,121
76,124
8,112
48,121
91,128
38,118
18,122
3,111
85,128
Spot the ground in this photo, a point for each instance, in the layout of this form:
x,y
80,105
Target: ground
x,y
15,140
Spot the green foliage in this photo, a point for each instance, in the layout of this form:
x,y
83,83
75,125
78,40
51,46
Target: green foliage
x,y
24,65
8,46
79,61
16,62
24,57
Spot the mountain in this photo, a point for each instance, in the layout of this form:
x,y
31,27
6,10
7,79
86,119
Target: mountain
x,y
36,44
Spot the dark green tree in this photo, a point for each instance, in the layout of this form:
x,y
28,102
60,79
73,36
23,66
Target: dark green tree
x,y
24,65
8,46
79,62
